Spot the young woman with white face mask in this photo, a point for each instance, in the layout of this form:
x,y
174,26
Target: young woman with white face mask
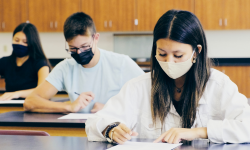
x,y
182,98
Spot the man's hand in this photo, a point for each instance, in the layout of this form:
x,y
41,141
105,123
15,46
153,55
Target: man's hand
x,y
82,101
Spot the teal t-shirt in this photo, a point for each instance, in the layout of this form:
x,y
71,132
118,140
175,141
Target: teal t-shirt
x,y
104,80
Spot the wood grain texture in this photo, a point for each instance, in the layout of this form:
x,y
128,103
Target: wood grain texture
x,y
13,13
125,10
149,11
8,109
233,14
209,12
240,75
65,9
53,131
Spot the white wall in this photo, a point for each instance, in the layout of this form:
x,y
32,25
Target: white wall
x,y
225,44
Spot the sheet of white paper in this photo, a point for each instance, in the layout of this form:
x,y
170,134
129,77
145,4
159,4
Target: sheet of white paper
x,y
144,146
12,102
76,116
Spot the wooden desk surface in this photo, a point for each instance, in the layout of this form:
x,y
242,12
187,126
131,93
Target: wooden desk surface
x,y
12,142
19,107
19,120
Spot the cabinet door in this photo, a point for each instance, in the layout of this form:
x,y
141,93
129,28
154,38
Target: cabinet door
x,y
233,14
148,11
125,18
41,14
101,14
87,6
239,75
65,9
245,14
210,13
13,13
1,15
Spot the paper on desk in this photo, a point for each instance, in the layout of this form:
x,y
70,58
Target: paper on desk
x,y
144,146
12,102
76,116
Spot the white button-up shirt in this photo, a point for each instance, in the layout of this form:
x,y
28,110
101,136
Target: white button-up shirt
x,y
222,109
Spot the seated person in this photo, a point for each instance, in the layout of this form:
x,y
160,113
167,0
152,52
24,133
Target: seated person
x,y
27,66
182,98
90,78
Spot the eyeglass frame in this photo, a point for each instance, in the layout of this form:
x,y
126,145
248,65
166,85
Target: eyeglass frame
x,y
81,48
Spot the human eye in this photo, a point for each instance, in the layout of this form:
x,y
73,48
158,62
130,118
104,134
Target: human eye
x,y
178,56
73,49
162,54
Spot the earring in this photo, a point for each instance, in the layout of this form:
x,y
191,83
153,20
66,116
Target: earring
x,y
194,61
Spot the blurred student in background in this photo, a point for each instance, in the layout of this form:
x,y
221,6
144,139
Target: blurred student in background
x,y
27,66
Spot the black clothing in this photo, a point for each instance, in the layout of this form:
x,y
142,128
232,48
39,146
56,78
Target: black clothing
x,y
23,77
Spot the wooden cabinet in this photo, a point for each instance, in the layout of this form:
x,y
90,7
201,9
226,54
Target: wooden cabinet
x,y
240,75
13,13
210,13
148,11
40,14
49,16
223,14
105,15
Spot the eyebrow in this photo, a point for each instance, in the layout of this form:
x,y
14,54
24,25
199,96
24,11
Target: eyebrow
x,y
173,51
80,45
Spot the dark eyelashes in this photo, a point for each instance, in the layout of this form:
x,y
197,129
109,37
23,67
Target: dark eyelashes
x,y
174,56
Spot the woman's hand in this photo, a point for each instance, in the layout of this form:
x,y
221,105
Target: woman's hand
x,y
9,96
122,134
175,135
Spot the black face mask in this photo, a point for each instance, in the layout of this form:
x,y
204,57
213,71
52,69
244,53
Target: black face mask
x,y
84,57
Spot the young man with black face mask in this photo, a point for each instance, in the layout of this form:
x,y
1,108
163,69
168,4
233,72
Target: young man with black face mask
x,y
90,78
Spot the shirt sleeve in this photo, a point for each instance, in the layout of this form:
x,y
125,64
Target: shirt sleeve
x,y
39,64
118,109
129,70
233,127
56,76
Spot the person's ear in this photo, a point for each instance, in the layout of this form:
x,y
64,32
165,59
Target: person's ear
x,y
97,36
195,55
199,48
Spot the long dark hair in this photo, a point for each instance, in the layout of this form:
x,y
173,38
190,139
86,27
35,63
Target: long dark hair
x,y
183,27
33,41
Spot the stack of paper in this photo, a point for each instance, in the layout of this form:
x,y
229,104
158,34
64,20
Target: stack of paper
x,y
12,102
144,146
76,116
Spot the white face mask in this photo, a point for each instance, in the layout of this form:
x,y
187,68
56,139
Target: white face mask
x,y
176,70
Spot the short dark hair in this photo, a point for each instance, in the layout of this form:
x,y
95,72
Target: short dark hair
x,y
78,24
33,41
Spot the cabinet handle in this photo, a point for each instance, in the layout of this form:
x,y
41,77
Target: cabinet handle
x,y
51,24
110,23
220,22
55,24
3,25
105,24
226,22
136,22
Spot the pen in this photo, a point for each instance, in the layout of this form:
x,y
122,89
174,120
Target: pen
x,y
133,128
77,93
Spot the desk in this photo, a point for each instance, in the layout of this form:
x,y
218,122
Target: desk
x,y
20,120
10,142
19,107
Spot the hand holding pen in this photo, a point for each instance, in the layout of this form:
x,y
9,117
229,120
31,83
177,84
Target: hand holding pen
x,y
81,102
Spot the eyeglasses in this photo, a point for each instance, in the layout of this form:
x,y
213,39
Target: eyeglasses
x,y
81,49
